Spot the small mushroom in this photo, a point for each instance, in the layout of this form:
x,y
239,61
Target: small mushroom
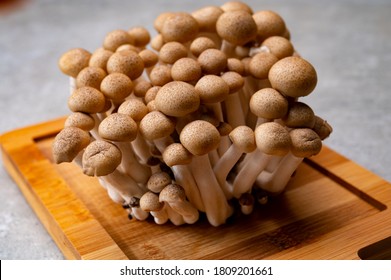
x,y
116,38
207,18
272,139
101,158
149,202
186,69
116,86
278,46
140,35
158,181
201,44
268,24
68,143
299,115
179,27
126,62
212,61
86,100
80,120
99,58
90,76
160,75
174,195
73,61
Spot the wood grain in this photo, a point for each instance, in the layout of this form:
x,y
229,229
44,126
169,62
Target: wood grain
x,y
331,209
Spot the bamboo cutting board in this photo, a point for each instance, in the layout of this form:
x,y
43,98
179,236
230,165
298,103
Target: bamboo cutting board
x,y
332,209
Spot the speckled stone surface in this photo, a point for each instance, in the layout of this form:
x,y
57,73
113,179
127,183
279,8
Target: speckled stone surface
x,y
347,41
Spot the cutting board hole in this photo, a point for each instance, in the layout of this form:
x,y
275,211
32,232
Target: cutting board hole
x,y
380,250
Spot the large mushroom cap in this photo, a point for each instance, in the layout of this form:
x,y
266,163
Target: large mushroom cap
x,y
86,100
186,69
126,62
101,158
116,38
118,127
133,107
68,143
269,24
172,51
179,27
260,64
243,137
199,137
116,86
293,76
269,104
177,99
212,89
272,139
90,77
156,125
207,18
305,142
176,154
73,61
237,27
213,61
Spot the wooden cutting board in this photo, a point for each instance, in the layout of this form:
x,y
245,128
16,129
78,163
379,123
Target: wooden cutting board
x,y
331,209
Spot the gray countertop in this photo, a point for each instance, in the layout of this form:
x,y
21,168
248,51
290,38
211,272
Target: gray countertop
x,y
348,42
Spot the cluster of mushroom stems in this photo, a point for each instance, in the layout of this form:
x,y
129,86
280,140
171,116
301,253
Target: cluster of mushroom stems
x,y
204,117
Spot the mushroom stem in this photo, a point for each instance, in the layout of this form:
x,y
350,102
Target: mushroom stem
x,y
138,213
173,216
125,185
184,177
130,164
216,205
233,110
246,202
275,182
244,180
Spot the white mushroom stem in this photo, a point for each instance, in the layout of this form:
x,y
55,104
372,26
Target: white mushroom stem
x,y
125,185
130,164
187,210
173,216
244,180
184,177
162,143
216,205
138,213
234,112
160,217
141,149
275,182
246,202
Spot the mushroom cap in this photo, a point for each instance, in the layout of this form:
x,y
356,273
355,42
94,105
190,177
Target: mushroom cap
x,y
141,86
212,89
90,77
73,61
149,57
200,44
171,52
269,24
237,27
235,65
186,69
140,35
157,42
118,127
172,193
159,20
207,18
299,115
176,154
236,5
272,139
116,38
68,143
224,128
180,27
86,100
305,142
158,181
212,61
126,62
101,158
260,64
160,75
279,46
156,125
133,107
244,138
99,58
322,128
234,81
177,99
151,94
80,120
199,137
116,86
150,202
293,76
268,103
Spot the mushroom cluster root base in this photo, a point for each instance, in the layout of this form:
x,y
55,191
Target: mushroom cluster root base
x,y
204,118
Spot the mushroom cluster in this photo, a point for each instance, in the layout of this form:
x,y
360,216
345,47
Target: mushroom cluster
x,y
202,118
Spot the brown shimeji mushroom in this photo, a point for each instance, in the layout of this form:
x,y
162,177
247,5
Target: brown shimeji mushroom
x,y
272,139
174,195
200,137
278,46
116,86
126,62
268,24
73,61
149,202
207,18
99,58
90,76
86,100
140,35
179,27
178,159
116,38
80,120
304,143
299,115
